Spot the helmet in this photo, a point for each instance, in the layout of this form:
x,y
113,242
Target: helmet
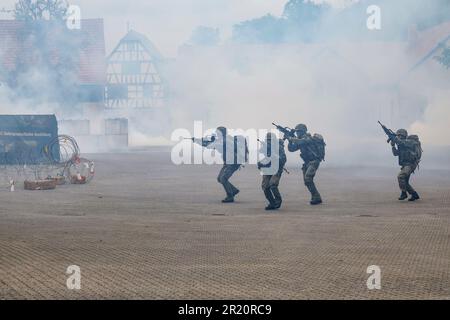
x,y
301,128
402,132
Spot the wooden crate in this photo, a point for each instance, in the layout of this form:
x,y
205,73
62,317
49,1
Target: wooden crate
x,y
40,185
59,180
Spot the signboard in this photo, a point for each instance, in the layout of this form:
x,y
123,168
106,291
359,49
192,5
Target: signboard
x,y
23,139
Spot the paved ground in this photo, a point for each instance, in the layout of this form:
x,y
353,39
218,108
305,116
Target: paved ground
x,y
145,229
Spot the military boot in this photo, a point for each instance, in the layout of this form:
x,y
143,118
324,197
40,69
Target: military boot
x,y
229,189
228,199
315,195
403,196
271,200
414,197
277,197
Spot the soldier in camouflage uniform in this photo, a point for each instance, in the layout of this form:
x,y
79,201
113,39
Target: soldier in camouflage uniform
x,y
272,167
234,154
409,151
312,154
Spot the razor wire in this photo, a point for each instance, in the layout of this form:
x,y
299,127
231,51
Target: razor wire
x,y
66,147
72,167
60,160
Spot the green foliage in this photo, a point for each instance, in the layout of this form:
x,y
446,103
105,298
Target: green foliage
x,y
205,36
300,21
267,29
33,10
308,21
49,69
304,19
304,12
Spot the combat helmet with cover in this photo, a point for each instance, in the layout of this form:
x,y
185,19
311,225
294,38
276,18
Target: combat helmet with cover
x,y
402,132
302,128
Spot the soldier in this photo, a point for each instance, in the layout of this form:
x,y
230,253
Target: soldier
x,y
312,151
234,154
272,175
409,152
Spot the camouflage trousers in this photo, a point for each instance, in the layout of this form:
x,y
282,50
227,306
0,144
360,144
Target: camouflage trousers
x,y
309,172
224,176
270,185
403,178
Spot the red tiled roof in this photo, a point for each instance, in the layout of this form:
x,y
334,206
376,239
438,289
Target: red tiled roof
x,y
428,39
92,64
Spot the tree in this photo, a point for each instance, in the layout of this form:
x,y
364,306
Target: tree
x,y
304,18
48,69
33,10
267,29
304,12
205,36
300,21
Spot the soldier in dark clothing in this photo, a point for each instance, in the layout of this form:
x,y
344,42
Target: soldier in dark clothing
x,y
234,155
409,151
312,151
273,166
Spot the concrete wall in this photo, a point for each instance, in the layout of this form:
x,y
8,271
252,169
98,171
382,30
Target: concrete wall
x,y
113,135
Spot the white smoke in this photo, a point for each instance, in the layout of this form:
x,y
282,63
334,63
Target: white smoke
x,y
340,91
433,129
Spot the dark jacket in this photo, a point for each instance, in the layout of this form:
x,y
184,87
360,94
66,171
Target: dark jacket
x,y
307,147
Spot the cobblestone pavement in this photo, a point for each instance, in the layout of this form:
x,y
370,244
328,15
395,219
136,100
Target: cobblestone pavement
x,y
145,229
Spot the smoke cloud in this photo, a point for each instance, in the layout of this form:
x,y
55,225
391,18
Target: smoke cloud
x,y
339,83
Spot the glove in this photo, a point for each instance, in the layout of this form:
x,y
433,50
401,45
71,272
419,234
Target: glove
x,y
393,143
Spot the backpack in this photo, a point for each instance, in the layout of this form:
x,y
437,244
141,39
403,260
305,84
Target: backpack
x,y
320,145
416,150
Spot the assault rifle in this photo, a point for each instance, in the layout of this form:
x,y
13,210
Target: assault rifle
x,y
288,132
391,134
209,139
